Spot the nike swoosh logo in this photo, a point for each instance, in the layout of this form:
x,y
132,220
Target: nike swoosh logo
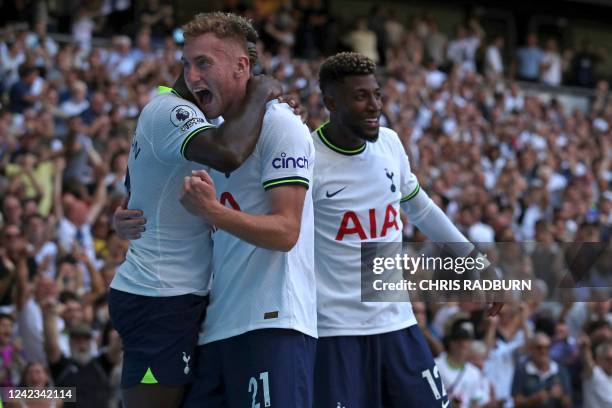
x,y
328,195
445,404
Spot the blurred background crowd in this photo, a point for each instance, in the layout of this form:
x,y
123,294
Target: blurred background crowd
x,y
506,161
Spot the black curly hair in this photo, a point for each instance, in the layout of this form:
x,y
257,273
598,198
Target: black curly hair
x,y
339,66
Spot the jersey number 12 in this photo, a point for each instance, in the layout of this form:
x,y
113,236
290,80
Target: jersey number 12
x,y
432,383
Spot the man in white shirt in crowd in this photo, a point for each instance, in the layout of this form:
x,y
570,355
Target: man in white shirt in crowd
x,y
504,337
550,67
494,63
461,378
462,50
596,374
77,103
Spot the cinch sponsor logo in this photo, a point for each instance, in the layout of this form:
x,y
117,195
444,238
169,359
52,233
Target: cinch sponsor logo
x,y
191,123
284,162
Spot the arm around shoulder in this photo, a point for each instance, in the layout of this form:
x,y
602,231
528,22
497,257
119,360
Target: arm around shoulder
x,y
226,147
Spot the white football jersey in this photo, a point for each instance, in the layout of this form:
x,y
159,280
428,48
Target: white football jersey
x,y
463,383
256,288
357,197
173,256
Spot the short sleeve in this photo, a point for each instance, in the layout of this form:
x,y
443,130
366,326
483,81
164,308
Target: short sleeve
x,y
173,126
286,149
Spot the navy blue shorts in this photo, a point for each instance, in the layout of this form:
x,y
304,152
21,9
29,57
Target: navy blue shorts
x,y
261,368
159,336
391,370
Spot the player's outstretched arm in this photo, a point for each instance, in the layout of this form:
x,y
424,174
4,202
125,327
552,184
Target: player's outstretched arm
x,y
279,230
432,221
226,147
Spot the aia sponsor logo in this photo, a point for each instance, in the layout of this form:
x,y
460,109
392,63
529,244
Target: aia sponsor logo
x,y
351,225
227,198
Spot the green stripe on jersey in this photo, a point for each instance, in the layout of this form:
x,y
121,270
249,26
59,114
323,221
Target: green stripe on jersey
x,y
336,148
411,195
286,180
165,89
191,136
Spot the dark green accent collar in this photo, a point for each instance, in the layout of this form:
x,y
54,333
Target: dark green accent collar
x,y
165,89
335,148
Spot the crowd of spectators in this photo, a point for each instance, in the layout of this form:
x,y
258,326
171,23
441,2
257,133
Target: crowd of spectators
x,y
504,166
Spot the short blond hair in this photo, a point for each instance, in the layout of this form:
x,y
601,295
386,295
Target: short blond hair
x,y
223,25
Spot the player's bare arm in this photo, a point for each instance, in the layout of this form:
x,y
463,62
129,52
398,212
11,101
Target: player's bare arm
x,y
219,147
279,230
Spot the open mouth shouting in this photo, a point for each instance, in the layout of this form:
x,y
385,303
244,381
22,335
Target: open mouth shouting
x,y
204,97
